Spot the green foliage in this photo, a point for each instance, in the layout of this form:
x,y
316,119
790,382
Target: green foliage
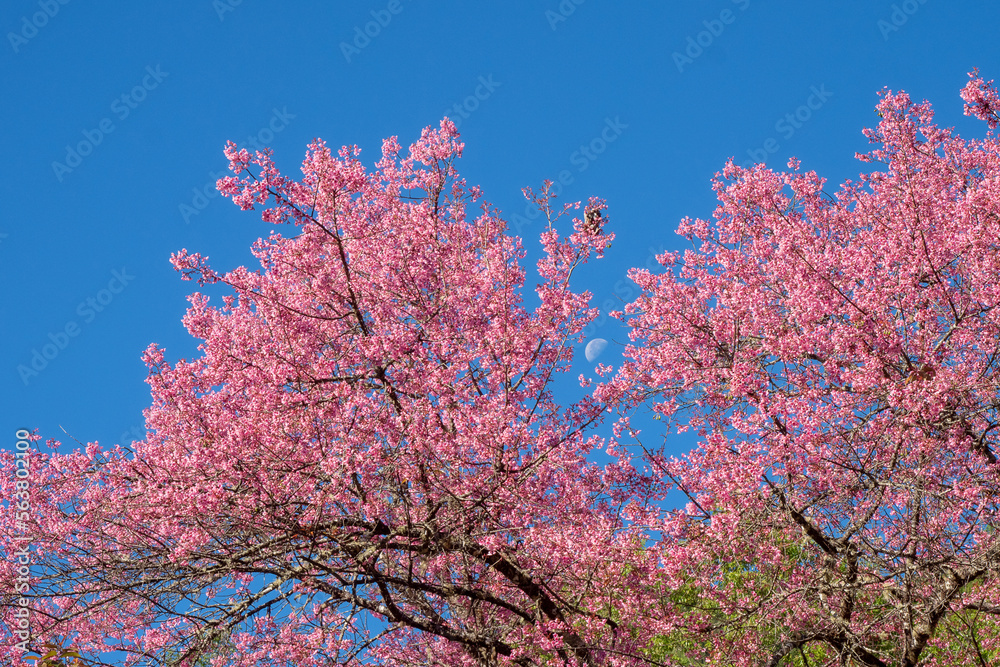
x,y
966,636
57,656
220,646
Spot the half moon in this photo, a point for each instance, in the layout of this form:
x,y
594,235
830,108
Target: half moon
x,y
594,348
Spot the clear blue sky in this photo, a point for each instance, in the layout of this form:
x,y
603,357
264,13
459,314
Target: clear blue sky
x,y
152,91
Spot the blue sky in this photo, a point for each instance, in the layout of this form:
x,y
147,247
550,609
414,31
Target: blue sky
x,y
639,102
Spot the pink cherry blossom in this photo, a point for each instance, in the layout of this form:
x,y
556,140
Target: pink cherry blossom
x,y
837,353
364,463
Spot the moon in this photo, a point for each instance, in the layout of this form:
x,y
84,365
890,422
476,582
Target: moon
x,y
594,348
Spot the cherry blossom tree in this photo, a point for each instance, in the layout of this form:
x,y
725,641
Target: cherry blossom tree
x,y
365,463
839,356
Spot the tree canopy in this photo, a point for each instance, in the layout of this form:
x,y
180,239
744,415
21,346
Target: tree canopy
x,y
366,464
